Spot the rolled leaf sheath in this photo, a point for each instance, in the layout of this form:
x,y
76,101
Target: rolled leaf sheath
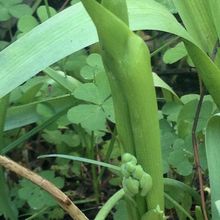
x,y
127,61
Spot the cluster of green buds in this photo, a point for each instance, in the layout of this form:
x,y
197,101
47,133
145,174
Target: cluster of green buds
x,y
135,179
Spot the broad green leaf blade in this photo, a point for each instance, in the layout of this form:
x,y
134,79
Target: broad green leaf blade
x,y
174,54
217,203
67,82
177,185
213,155
150,15
196,16
158,82
22,115
44,45
215,9
208,71
60,36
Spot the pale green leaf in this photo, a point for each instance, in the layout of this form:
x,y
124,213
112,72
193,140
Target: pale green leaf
x,y
196,17
173,55
20,10
90,117
67,82
213,155
42,13
88,92
22,115
27,23
61,36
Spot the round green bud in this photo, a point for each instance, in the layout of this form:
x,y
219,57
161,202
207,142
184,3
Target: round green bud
x,y
145,184
126,157
130,167
124,170
138,172
132,185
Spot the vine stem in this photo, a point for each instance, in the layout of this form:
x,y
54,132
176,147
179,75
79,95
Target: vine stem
x,y
196,149
57,194
194,137
64,5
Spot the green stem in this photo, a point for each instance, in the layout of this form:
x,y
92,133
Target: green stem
x,y
108,154
35,5
164,46
107,207
95,179
6,206
37,214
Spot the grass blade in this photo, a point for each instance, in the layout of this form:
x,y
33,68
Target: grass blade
x,y
84,160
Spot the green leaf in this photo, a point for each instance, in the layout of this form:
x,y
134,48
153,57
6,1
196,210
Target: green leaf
x,y
11,2
27,23
36,197
20,10
95,60
215,8
84,160
217,203
74,2
169,4
197,19
121,212
172,110
187,114
67,82
3,44
45,110
175,54
42,12
213,155
88,92
158,82
47,39
109,109
90,117
180,161
22,115
4,14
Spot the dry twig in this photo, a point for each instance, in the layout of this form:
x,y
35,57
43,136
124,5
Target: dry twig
x,y
58,195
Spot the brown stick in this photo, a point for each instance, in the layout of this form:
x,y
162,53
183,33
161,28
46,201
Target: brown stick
x,y
196,150
58,195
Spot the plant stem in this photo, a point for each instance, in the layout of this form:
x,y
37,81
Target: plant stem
x,y
35,5
64,5
109,151
164,46
107,207
95,180
6,206
196,149
194,138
